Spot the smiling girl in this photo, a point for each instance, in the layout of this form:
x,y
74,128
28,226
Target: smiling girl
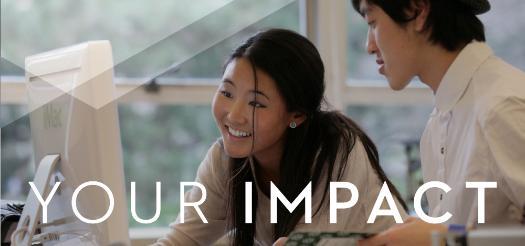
x,y
268,109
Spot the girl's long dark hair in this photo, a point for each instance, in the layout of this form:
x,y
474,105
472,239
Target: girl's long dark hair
x,y
312,148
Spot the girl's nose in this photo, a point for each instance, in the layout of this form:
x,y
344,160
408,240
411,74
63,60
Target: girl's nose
x,y
237,113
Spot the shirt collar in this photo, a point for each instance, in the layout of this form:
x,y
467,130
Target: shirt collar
x,y
459,74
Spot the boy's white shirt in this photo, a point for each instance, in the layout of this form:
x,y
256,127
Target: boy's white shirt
x,y
476,133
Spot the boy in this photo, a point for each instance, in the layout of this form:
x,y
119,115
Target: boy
x,y
476,132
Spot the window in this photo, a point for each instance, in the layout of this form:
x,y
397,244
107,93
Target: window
x,y
396,130
146,37
208,64
503,29
17,152
163,143
361,65
131,26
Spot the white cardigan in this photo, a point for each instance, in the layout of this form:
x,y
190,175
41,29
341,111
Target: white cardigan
x,y
213,175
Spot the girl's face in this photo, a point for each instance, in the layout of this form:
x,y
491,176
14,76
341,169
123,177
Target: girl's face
x,y
245,116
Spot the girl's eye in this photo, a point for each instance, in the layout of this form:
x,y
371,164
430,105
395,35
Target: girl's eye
x,y
371,24
256,105
226,94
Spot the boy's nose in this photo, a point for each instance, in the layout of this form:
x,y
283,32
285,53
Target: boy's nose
x,y
371,46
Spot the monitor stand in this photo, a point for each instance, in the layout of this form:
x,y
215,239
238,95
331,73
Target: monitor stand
x,y
31,215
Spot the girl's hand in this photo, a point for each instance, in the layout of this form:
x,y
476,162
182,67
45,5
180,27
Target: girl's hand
x,y
280,242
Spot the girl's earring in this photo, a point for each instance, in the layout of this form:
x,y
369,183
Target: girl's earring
x,y
293,124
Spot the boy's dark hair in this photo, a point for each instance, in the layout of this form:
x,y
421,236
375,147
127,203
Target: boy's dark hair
x,y
450,23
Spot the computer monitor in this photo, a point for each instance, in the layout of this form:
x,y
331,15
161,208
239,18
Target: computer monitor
x,y
76,139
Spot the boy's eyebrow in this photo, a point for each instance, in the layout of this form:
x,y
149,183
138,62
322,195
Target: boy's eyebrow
x,y
363,10
229,81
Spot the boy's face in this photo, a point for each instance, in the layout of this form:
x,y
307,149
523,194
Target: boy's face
x,y
394,46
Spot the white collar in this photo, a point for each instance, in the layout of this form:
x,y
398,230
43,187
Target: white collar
x,y
459,74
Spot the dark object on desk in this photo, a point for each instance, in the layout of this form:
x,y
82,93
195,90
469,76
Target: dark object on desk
x,y
152,86
325,238
523,216
10,212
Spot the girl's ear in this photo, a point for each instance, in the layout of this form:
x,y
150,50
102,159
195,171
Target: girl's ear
x,y
298,118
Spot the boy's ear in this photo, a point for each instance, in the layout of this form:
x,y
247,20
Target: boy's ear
x,y
421,10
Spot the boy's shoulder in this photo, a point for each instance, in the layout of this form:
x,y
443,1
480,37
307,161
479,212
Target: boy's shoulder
x,y
497,84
